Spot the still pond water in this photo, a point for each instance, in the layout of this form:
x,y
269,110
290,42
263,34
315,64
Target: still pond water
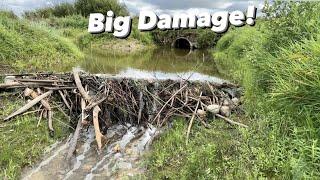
x,y
158,63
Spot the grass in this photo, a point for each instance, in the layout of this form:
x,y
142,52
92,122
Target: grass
x,y
210,153
22,143
29,46
277,63
32,47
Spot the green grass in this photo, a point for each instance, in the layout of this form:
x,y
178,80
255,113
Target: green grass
x,y
210,153
31,46
278,64
22,143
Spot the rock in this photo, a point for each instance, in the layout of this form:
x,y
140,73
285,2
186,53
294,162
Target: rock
x,y
9,79
213,108
124,165
117,148
201,113
226,102
225,111
235,101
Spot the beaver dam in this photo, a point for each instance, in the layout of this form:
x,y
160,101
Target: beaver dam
x,y
104,103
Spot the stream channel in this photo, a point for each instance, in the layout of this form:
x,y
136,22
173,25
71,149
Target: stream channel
x,y
122,157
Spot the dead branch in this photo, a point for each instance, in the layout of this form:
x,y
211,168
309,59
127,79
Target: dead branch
x,y
99,136
74,140
230,121
80,87
28,105
192,118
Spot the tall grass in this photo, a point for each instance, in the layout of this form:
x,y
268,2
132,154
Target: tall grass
x,y
277,63
30,46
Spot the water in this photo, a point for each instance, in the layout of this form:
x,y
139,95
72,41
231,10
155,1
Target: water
x,y
120,159
159,63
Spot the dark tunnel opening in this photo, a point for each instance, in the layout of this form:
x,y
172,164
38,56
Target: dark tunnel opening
x,y
182,43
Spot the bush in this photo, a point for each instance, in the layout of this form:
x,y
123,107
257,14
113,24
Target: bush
x,y
85,7
60,10
74,21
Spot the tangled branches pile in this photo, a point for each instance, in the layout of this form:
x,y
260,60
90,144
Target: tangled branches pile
x,y
106,100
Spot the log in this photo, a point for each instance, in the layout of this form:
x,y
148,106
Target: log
x,y
141,104
28,105
82,91
99,136
74,140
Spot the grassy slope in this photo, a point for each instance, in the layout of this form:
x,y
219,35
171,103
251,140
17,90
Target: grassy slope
x,y
74,27
30,46
278,64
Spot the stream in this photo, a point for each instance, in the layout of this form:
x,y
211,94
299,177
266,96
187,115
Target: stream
x,y
118,160
122,157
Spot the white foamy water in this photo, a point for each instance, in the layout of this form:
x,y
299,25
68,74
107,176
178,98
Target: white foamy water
x,y
119,159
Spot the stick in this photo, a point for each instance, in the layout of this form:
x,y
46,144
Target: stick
x,y
141,104
18,85
88,108
83,112
40,117
230,121
169,101
99,135
42,81
64,100
28,105
34,95
74,140
192,118
80,87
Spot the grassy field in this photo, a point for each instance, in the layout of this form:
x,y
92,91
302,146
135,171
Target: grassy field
x,y
277,62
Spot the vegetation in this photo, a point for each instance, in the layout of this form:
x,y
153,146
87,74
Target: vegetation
x,y
30,46
209,154
277,62
22,142
80,7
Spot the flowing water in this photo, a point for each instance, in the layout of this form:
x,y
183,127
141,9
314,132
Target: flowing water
x,y
121,158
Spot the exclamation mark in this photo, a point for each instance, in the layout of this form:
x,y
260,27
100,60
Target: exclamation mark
x,y
251,15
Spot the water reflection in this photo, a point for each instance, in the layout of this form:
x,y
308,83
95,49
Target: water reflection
x,y
160,62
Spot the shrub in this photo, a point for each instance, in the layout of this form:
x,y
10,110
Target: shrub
x,y
85,7
60,10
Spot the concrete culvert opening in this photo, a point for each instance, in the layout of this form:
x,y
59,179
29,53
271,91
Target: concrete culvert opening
x,y
182,43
